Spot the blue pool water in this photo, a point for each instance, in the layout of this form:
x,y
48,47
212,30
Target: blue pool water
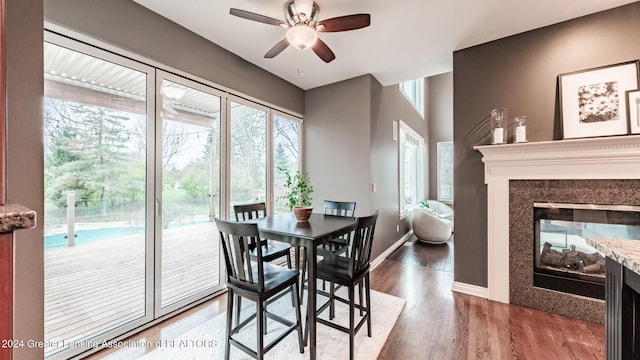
x,y
83,236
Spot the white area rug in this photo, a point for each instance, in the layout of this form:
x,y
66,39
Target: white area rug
x,y
207,340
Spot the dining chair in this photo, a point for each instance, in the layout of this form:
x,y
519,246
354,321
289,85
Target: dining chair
x,y
350,271
339,208
338,245
257,281
270,250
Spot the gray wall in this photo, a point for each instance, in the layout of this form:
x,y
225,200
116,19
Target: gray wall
x,y
127,25
520,72
388,105
24,154
337,143
349,146
440,119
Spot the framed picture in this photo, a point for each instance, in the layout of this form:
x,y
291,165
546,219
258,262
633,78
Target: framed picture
x,y
633,110
445,171
593,102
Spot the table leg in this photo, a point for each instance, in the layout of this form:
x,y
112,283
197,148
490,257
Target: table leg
x,y
311,253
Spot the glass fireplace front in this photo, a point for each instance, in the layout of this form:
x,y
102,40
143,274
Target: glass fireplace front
x,y
563,260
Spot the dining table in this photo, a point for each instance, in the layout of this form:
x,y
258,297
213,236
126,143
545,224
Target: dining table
x,y
319,229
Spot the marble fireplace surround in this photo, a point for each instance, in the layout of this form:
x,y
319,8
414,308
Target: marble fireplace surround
x,y
576,159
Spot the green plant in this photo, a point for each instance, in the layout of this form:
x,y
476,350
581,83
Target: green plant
x,y
299,190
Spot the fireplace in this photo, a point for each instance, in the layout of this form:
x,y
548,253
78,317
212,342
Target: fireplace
x,y
576,171
563,261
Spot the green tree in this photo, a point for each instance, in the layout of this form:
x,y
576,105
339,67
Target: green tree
x,y
87,153
281,162
248,152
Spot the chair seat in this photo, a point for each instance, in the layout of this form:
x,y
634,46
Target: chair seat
x,y
336,269
275,277
271,251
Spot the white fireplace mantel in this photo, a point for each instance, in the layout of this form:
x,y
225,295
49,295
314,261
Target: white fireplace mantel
x,y
594,158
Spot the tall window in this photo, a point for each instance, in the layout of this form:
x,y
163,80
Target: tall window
x,y
286,159
414,91
411,164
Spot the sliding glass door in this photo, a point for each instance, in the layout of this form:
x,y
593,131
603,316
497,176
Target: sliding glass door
x,y
138,163
247,153
97,211
189,192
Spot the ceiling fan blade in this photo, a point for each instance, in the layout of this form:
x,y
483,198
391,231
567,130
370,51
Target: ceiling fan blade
x,y
344,23
277,48
322,50
255,17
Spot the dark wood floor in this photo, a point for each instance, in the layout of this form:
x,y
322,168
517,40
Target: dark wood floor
x,y
436,323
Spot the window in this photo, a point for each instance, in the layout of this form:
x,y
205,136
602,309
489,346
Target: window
x,y
414,91
411,168
286,158
445,171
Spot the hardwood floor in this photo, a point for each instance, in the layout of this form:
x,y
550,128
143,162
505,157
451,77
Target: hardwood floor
x,y
436,323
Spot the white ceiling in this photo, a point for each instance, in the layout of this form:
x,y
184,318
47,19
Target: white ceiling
x,y
407,39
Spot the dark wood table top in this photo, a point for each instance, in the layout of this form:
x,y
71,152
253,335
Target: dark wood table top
x,y
319,229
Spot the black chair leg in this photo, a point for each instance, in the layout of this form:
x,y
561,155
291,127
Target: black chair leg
x,y
260,329
264,318
298,318
304,274
227,344
361,297
351,320
367,282
239,306
332,305
292,294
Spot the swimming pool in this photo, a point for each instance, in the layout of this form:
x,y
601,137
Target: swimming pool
x,y
84,236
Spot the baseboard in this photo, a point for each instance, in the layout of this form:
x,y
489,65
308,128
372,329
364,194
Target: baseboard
x,y
469,289
378,260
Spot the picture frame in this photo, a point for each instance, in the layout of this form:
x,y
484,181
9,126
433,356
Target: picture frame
x,y
633,110
593,102
445,171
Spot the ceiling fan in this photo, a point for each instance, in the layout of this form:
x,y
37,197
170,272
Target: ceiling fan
x,y
302,26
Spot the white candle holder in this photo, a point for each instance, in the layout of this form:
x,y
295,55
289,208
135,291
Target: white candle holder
x,y
498,126
520,129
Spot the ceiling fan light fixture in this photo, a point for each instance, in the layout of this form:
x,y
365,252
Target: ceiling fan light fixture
x,y
302,36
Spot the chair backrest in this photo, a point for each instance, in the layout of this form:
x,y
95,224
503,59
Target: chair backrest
x,y
250,211
340,208
236,239
361,244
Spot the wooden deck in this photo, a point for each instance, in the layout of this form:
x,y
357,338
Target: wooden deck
x,y
96,286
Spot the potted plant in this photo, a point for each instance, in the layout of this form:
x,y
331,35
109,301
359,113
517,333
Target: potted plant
x,y
298,197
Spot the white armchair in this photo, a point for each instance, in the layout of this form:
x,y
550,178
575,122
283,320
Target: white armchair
x,y
430,226
443,210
